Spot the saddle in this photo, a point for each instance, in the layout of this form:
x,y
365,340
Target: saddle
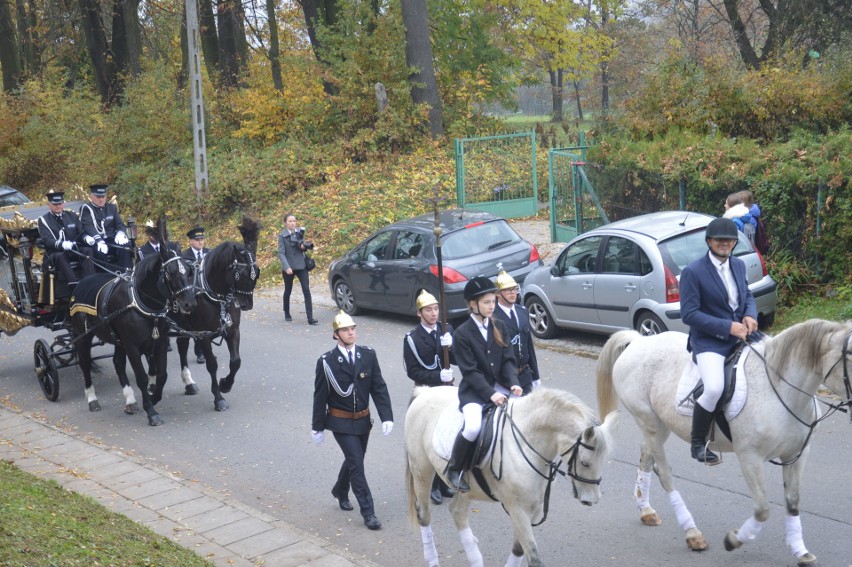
x,y
730,380
451,423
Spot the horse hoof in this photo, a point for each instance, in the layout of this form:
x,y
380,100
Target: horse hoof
x,y
131,409
731,541
807,559
155,420
651,520
94,405
191,389
221,405
695,540
225,385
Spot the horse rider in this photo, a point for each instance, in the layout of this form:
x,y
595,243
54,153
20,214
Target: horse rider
x,y
103,228
421,355
195,253
153,244
60,231
517,319
716,303
347,377
488,368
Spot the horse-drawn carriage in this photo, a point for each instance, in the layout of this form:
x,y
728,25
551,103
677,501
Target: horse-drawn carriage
x,y
133,310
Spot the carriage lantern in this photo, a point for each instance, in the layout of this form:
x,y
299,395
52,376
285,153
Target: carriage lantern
x,y
132,229
25,247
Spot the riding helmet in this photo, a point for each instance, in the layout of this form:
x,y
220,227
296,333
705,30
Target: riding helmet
x,y
425,299
341,321
722,228
480,285
505,281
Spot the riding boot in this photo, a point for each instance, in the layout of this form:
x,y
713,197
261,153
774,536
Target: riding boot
x,y
459,460
701,422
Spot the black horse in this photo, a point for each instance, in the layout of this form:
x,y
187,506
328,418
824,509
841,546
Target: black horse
x,y
129,311
225,284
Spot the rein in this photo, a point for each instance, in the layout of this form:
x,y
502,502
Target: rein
x,y
553,467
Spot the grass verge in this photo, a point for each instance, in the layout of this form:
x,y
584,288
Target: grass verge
x,y
41,523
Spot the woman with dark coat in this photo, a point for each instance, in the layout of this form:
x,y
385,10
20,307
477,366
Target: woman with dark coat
x,y
291,251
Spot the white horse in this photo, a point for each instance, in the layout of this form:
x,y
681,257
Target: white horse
x,y
537,434
782,376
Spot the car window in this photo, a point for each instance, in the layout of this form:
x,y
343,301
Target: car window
x,y
376,247
408,245
620,256
13,198
679,251
478,239
580,257
645,266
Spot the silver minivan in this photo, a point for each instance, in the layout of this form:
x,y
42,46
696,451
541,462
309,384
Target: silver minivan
x,y
626,274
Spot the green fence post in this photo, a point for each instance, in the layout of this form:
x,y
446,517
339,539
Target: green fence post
x,y
682,189
459,148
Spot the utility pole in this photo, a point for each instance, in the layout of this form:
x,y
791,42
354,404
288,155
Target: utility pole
x,y
199,140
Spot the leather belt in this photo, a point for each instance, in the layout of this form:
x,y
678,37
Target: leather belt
x,y
348,414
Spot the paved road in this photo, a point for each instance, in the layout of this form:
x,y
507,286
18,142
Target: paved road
x,y
259,454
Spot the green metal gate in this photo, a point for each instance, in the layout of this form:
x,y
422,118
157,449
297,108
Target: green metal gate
x,y
498,174
574,205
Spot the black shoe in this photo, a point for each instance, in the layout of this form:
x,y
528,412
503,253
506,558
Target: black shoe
x,y
200,359
372,522
446,491
343,502
314,322
702,454
459,461
702,420
436,497
287,317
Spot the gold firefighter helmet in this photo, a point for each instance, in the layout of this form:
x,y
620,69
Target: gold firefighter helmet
x,y
505,281
341,321
425,299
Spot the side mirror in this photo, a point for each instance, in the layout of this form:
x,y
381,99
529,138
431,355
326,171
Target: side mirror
x,y
555,271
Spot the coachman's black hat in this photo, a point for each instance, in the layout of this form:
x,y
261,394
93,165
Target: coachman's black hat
x,y
480,285
55,197
195,233
99,189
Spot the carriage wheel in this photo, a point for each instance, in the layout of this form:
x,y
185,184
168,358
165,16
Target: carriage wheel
x,y
45,369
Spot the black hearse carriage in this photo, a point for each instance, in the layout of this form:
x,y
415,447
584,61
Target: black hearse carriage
x,y
33,296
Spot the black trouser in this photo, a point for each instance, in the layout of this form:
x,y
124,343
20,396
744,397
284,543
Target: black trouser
x,y
304,281
62,263
354,448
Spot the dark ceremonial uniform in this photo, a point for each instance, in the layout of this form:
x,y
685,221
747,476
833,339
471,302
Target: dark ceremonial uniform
x,y
148,248
521,337
422,355
54,230
483,363
102,223
342,405
190,254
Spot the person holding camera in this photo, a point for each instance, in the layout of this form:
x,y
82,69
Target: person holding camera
x,y
291,251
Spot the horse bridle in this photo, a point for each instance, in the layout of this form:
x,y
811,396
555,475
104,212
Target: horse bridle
x,y
847,383
240,267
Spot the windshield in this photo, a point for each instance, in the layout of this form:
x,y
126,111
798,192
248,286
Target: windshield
x,y
13,198
478,239
679,251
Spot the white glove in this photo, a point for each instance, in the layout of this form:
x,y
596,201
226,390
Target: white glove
x,y
102,247
446,375
67,245
89,240
446,340
319,437
387,427
121,238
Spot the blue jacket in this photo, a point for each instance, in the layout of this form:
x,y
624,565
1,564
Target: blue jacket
x,y
704,305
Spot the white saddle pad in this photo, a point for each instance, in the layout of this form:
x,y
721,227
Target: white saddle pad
x,y
690,378
446,431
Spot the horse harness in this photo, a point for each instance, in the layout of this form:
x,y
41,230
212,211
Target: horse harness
x,y
553,467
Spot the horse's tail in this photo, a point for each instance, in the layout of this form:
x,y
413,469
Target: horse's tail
x,y
412,494
607,396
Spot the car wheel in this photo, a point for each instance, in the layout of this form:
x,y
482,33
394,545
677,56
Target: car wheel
x,y
650,324
344,298
541,322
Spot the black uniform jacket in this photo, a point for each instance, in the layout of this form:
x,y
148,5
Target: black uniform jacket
x,y
482,363
522,344
189,253
428,349
368,382
101,223
53,229
148,249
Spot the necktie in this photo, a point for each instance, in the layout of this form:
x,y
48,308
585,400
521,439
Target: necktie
x,y
434,334
514,317
733,299
351,360
198,255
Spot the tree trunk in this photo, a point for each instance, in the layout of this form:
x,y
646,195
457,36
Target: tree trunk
x,y
98,49
240,37
747,53
120,52
28,58
556,95
209,39
325,12
577,98
604,64
133,29
274,50
228,63
418,56
10,57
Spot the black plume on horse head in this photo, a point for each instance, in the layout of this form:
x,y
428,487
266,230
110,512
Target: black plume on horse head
x,y
250,229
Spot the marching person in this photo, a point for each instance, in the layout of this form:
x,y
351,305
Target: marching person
x,y
153,245
347,377
104,228
195,253
488,368
60,230
716,303
422,354
291,251
517,319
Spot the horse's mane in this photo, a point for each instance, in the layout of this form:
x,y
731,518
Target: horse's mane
x,y
545,402
803,344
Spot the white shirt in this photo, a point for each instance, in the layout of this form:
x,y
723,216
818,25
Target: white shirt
x,y
724,269
509,311
346,352
482,326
